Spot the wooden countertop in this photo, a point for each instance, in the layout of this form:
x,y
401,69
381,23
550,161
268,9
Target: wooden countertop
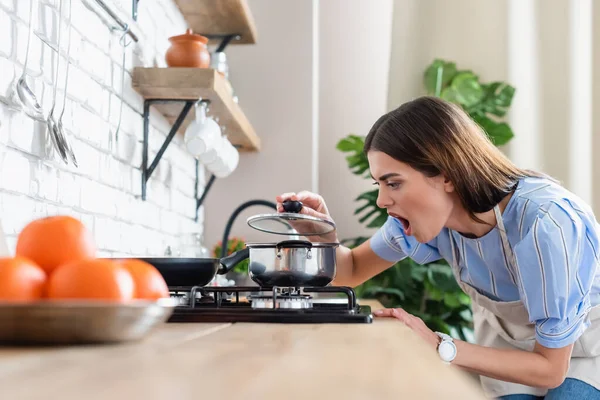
x,y
382,360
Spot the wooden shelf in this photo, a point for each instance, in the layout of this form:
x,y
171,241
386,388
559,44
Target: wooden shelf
x,y
219,17
194,84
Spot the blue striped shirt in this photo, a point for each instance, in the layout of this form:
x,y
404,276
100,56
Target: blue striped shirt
x,y
555,238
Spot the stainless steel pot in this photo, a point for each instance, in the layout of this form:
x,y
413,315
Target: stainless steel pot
x,y
288,263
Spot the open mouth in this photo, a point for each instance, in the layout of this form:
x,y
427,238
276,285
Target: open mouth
x,y
404,221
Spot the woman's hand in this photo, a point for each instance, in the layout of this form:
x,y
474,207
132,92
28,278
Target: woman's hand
x,y
313,205
542,367
414,323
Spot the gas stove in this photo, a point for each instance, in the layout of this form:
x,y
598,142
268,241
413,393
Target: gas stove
x,y
272,305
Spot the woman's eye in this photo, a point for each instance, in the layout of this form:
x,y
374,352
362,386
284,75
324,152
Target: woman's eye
x,y
376,183
393,185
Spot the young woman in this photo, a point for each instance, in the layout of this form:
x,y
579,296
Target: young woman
x,y
521,246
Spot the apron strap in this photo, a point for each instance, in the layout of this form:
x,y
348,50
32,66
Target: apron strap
x,y
512,260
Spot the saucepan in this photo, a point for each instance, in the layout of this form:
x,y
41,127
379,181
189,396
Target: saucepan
x,y
290,263
286,263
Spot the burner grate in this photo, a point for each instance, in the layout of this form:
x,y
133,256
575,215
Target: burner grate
x,y
260,304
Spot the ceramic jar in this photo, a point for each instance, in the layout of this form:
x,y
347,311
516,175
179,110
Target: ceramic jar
x,y
188,50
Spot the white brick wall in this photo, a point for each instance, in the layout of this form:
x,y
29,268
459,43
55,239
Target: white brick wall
x,y
104,191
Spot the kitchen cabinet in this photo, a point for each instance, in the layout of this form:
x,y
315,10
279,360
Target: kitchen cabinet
x,y
381,360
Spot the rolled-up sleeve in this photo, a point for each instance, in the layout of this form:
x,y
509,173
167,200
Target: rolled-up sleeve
x,y
557,261
391,244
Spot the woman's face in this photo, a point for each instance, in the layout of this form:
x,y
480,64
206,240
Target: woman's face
x,y
422,204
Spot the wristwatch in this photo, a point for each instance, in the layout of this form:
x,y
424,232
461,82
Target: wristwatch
x,y
446,347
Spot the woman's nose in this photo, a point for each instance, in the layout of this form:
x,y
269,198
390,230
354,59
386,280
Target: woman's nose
x,y
383,200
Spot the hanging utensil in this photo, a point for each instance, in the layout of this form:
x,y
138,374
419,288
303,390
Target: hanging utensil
x,y
51,121
124,42
22,92
61,133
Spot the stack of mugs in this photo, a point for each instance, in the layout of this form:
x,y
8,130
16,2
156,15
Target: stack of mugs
x,y
204,141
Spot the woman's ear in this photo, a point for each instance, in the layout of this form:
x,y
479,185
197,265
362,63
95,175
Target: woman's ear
x,y
448,185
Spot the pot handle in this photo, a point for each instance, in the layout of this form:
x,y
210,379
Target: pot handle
x,y
294,244
227,263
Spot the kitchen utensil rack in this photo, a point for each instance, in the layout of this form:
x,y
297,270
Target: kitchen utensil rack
x,y
120,24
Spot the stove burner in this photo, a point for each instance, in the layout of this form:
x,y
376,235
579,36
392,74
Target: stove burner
x,y
294,301
271,305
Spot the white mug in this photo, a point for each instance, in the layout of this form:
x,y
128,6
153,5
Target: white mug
x,y
202,133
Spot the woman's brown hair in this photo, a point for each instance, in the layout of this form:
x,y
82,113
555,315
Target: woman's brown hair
x,y
436,137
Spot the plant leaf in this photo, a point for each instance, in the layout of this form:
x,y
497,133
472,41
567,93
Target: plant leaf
x,y
498,98
418,272
351,143
442,277
451,300
379,220
464,90
372,212
499,132
467,315
389,290
438,75
357,160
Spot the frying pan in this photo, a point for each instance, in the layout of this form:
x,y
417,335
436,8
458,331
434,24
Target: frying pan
x,y
192,271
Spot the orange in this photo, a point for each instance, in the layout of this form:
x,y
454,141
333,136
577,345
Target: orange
x,y
98,279
56,240
21,280
149,283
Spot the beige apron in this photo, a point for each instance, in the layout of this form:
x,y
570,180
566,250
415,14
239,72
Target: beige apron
x,y
506,325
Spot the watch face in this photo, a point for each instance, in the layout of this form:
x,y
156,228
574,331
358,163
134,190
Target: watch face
x,y
447,351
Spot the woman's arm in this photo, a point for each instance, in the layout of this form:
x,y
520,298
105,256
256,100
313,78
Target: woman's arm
x,y
355,266
543,367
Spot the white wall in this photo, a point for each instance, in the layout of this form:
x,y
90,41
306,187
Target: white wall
x,y
104,191
553,25
531,48
425,30
275,80
355,46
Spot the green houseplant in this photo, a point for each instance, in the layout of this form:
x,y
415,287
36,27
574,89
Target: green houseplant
x,y
430,291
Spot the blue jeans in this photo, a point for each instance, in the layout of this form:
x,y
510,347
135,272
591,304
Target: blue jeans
x,y
570,389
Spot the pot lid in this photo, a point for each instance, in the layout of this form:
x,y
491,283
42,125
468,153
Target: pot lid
x,y
291,222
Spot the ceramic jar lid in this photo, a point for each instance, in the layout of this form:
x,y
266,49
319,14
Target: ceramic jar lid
x,y
189,36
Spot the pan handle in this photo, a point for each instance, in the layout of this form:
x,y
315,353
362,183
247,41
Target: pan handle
x,y
227,263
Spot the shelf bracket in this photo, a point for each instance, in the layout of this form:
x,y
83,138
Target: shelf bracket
x,y
207,187
147,171
225,39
